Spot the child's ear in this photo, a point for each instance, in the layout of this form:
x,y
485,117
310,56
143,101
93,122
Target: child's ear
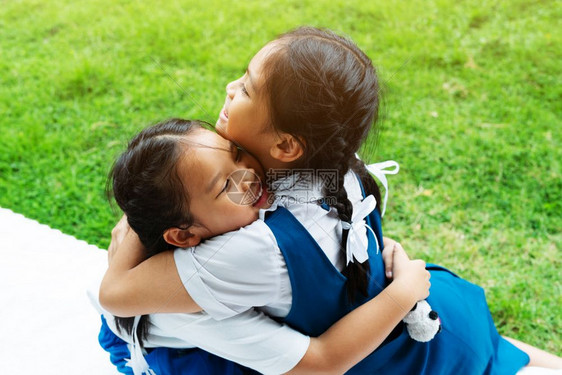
x,y
181,237
287,148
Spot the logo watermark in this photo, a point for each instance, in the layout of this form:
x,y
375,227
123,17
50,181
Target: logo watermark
x,y
293,186
245,187
303,179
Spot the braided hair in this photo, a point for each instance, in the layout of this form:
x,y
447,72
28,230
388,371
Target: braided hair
x,y
145,184
323,90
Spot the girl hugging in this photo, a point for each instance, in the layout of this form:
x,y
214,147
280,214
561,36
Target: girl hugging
x,y
213,256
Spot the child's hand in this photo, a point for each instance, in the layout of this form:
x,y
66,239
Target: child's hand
x,y
118,233
411,274
388,255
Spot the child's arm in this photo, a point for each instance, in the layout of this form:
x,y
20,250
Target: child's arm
x,y
342,346
358,334
135,286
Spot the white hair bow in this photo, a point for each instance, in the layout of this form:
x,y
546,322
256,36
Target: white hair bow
x,y
357,241
380,170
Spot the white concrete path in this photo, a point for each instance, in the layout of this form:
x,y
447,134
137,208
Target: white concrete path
x,y
47,324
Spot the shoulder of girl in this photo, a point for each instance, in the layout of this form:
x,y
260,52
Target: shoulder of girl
x,y
252,238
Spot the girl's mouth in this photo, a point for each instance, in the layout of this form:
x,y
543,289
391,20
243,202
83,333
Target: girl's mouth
x,y
261,196
223,115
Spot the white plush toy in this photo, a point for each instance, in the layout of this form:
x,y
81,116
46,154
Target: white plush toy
x,y
422,322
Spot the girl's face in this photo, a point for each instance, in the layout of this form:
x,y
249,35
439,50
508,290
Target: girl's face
x,y
226,184
244,119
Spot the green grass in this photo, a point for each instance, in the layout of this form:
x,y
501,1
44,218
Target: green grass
x,y
473,99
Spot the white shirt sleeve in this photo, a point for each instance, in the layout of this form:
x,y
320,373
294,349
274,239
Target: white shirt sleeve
x,y
250,338
230,273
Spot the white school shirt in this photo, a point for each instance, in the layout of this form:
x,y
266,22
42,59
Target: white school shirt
x,y
247,336
228,274
250,338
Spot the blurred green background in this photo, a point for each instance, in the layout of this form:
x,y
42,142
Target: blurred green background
x,y
472,112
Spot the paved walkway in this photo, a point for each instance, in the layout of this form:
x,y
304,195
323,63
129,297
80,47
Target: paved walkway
x,y
48,323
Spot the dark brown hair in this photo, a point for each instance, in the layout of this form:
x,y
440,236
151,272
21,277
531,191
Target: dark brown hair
x,y
145,184
323,90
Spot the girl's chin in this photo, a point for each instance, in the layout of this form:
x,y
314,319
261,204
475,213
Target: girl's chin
x,y
251,218
220,127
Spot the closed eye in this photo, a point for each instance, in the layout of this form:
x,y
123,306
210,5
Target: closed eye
x,y
226,184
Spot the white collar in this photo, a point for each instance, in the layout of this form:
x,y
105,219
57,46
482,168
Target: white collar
x,y
300,187
305,187
297,188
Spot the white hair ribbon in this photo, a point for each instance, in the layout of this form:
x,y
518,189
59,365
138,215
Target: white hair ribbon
x,y
380,170
138,362
357,241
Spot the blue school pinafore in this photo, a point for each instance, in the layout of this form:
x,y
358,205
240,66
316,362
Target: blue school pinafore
x,y
467,345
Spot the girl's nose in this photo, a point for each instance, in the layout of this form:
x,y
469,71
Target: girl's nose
x,y
231,88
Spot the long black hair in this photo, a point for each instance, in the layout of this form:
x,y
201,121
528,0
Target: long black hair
x,y
324,91
145,184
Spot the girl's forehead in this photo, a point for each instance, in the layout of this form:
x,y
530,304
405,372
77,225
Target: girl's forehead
x,y
203,149
263,54
202,146
209,139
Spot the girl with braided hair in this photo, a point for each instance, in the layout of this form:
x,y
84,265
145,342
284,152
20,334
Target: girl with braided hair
x,y
167,170
306,102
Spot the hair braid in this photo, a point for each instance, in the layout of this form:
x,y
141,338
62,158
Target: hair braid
x,y
324,90
355,272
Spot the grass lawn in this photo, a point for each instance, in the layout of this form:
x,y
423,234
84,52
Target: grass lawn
x,y
472,112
